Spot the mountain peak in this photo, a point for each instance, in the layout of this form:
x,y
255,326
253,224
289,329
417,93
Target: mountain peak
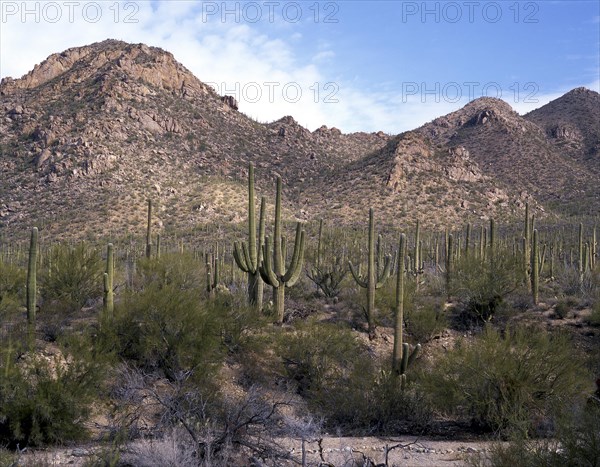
x,y
97,61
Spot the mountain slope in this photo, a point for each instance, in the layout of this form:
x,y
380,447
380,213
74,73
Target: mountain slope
x,y
91,133
100,128
572,124
517,153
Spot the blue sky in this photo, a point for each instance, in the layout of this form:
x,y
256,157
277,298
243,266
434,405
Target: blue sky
x,y
355,65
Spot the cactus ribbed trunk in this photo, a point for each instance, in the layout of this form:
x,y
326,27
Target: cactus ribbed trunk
x,y
399,311
535,269
468,239
272,269
527,242
449,265
109,281
580,262
375,278
248,256
371,276
149,231
32,284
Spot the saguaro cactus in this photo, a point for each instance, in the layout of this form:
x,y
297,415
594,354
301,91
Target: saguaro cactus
x,y
249,256
535,269
401,357
376,277
417,256
149,231
449,265
108,299
580,250
212,273
468,239
527,242
272,268
32,282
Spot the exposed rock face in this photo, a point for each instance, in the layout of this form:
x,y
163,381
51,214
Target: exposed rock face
x,y
230,102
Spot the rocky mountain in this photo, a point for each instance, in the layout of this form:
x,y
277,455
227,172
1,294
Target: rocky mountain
x,y
517,153
572,124
91,133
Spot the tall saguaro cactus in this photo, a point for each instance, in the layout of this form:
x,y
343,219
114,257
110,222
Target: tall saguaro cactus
x,y
272,268
108,281
449,265
535,268
417,257
401,358
249,256
212,273
149,231
32,283
376,277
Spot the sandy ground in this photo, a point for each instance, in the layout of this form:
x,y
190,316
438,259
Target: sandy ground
x,y
332,451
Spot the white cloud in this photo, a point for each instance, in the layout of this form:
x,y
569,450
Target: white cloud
x,y
240,58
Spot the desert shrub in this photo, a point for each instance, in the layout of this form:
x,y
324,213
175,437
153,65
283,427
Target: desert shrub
x,y
73,278
576,443
508,382
210,428
166,329
238,321
328,279
369,400
481,286
45,401
174,448
342,383
7,457
562,309
426,322
314,353
12,288
594,318
585,286
178,269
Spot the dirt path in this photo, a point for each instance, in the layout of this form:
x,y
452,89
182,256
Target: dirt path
x,y
339,452
396,451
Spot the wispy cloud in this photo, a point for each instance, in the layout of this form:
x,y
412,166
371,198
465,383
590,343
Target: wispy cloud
x,y
264,64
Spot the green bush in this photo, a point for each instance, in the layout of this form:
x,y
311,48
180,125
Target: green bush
x,y
45,401
508,382
177,269
342,383
12,289
316,353
73,278
575,444
594,318
166,329
369,400
562,309
427,322
481,286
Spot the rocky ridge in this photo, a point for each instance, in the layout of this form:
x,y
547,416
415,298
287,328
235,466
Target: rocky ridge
x,y
92,132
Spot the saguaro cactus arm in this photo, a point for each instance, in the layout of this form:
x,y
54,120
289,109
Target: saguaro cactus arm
x,y
357,276
295,270
385,274
266,268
